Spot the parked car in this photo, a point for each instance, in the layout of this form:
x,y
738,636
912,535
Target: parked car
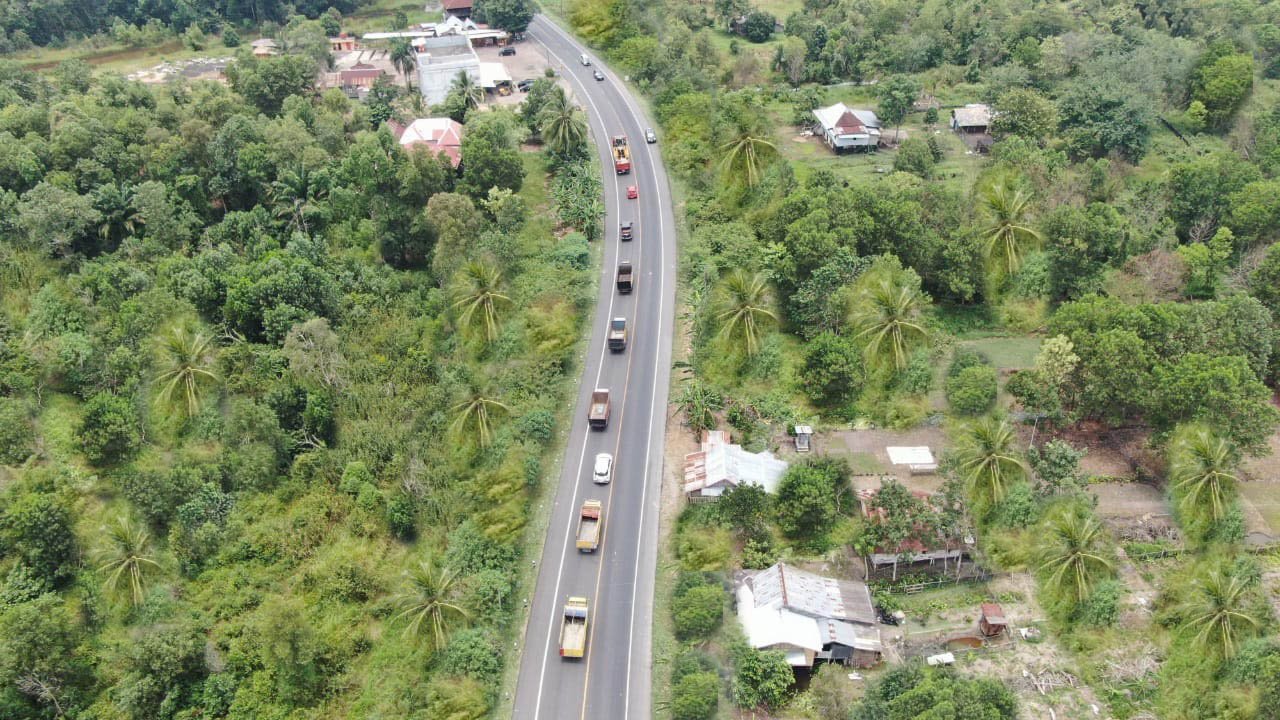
x,y
599,75
524,85
632,192
649,136
603,471
507,51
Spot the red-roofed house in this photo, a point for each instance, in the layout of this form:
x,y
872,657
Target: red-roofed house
x,y
360,75
439,134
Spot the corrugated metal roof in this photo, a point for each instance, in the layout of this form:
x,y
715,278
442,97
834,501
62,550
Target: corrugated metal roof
x,y
972,115
722,464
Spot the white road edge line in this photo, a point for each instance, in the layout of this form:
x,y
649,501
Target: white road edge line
x,y
555,599
662,301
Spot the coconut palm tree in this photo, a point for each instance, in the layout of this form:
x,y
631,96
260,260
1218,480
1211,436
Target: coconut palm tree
x,y
1201,469
561,125
988,459
746,155
429,603
478,299
119,218
743,311
472,94
1071,555
186,362
1219,615
405,60
126,560
886,315
1007,208
477,413
296,193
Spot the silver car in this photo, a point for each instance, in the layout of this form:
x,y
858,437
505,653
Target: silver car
x,y
649,136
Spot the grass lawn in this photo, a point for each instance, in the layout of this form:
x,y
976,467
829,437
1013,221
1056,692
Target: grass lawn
x,y
1011,353
1265,497
378,16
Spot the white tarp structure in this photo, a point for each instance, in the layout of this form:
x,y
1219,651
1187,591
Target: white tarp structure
x,y
917,459
493,74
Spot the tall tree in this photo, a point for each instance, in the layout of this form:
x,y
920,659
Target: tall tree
x,y
561,125
745,156
886,313
743,311
1219,616
1202,469
471,93
476,413
429,601
1071,555
405,60
1007,209
297,194
988,459
186,369
478,300
126,560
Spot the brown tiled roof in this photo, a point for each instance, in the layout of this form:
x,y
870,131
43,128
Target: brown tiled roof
x,y
456,4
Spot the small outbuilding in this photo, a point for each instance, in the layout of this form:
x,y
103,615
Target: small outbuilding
x,y
992,621
460,9
264,47
972,119
803,434
721,466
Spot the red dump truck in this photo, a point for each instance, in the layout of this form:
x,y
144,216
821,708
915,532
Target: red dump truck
x,y
621,155
573,631
598,413
589,523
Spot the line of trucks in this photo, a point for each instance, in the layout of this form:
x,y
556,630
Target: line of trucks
x,y
573,628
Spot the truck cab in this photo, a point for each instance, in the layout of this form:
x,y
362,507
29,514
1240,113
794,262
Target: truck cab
x,y
618,334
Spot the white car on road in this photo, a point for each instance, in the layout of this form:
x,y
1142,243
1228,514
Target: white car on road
x,y
603,471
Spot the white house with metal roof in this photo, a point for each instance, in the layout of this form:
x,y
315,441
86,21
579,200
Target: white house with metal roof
x,y
846,128
721,465
808,616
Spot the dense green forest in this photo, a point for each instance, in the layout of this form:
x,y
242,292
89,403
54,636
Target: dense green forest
x,y
44,22
275,393
1117,245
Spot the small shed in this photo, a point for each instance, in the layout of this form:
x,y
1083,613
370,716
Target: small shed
x,y
973,118
803,434
992,621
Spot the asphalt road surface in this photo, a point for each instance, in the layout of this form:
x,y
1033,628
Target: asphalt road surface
x,y
613,679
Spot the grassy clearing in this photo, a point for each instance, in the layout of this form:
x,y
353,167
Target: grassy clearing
x,y
1265,498
1011,353
378,15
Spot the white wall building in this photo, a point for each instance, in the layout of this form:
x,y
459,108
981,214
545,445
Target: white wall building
x,y
439,62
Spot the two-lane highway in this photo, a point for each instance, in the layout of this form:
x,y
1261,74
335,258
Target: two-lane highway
x,y
613,679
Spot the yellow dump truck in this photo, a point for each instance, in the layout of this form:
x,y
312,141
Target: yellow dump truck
x,y
573,633
589,524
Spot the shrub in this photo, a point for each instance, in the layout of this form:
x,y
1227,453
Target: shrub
x,y
760,679
704,548
17,434
695,696
972,391
758,26
401,517
473,652
1019,508
38,527
1102,607
915,157
698,612
806,502
457,698
964,358
833,369
110,430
